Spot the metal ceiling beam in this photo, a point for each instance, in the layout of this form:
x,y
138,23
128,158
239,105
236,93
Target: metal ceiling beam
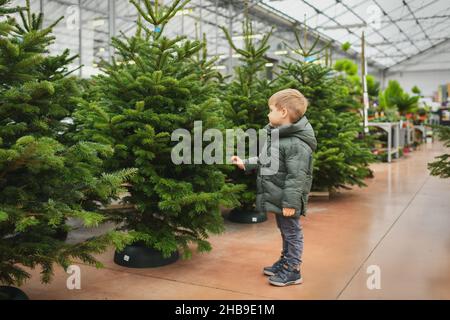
x,y
424,18
360,18
417,21
333,5
69,4
337,22
447,62
407,15
419,53
293,22
353,7
445,27
398,27
391,56
403,41
288,22
207,8
344,26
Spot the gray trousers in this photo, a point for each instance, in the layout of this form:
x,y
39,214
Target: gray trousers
x,y
292,236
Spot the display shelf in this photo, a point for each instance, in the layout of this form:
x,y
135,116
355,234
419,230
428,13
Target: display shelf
x,y
393,132
423,130
409,133
406,133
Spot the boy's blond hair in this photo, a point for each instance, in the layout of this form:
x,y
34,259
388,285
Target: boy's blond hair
x,y
291,99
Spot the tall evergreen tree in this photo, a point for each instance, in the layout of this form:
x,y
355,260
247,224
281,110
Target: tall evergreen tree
x,y
153,87
342,158
441,167
247,96
43,179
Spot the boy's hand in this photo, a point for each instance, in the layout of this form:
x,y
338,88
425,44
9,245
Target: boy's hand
x,y
238,162
288,212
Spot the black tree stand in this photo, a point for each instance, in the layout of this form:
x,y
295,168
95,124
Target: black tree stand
x,y
12,293
246,216
139,255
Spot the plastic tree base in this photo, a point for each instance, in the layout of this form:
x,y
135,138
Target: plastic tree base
x,y
244,216
141,256
12,293
61,234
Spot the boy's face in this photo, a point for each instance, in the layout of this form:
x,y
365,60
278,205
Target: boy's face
x,y
278,117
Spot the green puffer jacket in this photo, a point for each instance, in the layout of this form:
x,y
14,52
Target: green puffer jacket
x,y
289,186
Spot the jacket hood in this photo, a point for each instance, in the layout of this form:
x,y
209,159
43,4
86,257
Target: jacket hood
x,y
301,129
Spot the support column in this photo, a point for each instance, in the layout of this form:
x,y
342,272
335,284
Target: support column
x,y
217,27
112,25
80,37
230,29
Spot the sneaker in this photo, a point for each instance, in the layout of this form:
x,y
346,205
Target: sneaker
x,y
276,267
286,276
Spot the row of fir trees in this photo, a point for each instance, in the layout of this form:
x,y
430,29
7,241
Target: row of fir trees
x,y
46,177
67,150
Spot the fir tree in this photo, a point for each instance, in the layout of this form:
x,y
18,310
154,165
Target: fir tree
x,y
155,86
7,22
441,167
43,180
342,158
247,97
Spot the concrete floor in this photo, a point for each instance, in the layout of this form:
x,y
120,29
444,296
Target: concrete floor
x,y
400,223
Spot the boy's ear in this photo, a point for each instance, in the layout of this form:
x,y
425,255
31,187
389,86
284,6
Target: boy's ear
x,y
284,112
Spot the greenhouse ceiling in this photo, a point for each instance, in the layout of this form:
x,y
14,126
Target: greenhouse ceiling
x,y
395,30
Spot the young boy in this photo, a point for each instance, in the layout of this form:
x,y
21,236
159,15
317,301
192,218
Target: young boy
x,y
285,193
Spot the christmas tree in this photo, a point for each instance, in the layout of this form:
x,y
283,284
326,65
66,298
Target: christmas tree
x,y
7,25
247,96
249,91
441,167
153,87
44,179
342,158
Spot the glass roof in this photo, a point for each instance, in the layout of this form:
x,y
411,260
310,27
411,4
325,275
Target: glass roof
x,y
395,30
